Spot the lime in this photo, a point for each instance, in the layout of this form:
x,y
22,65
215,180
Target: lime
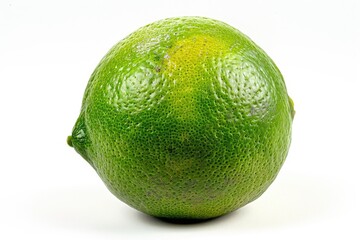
x,y
186,118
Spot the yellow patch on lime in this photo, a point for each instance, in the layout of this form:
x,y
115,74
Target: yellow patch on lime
x,y
183,63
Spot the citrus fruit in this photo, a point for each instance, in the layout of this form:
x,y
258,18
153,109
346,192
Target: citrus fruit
x,y
186,118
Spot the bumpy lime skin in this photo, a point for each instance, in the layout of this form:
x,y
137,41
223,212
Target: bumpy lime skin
x,y
186,118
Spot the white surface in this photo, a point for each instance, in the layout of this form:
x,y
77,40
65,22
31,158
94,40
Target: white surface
x,y
48,50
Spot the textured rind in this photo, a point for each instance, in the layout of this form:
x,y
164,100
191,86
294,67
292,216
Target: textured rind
x,y
186,118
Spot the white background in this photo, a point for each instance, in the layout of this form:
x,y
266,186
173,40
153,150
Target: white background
x,y
49,49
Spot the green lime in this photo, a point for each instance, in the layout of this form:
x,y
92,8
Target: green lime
x,y
186,118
